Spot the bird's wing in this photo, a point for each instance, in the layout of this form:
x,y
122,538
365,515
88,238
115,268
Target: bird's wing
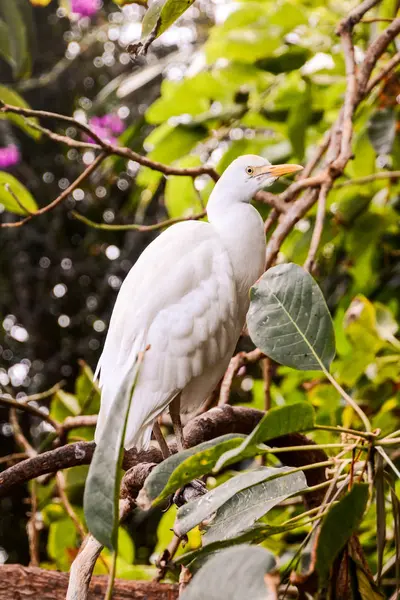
x,y
180,297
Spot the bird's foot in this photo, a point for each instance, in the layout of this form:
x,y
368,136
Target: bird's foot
x,y
191,491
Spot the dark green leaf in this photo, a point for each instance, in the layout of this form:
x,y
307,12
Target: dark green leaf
x,y
289,321
26,201
382,130
235,573
9,96
18,44
277,422
181,468
338,525
239,502
102,484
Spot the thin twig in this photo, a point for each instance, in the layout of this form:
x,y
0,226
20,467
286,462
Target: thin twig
x,y
267,367
61,484
84,175
10,458
319,226
369,178
392,63
135,226
12,403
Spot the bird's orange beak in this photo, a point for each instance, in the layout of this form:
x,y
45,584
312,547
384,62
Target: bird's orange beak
x,y
279,170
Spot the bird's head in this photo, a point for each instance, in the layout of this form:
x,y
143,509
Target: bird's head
x,y
250,173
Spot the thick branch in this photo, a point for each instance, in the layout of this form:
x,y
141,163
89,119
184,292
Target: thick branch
x,y
26,583
217,421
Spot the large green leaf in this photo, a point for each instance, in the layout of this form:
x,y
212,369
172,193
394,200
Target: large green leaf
x,y
18,43
289,321
161,14
9,96
277,422
102,484
181,198
235,573
338,525
9,182
181,468
298,121
239,502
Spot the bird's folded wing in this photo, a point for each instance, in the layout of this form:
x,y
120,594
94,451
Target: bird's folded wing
x,y
181,297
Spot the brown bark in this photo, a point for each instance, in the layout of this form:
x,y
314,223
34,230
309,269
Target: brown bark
x,y
24,583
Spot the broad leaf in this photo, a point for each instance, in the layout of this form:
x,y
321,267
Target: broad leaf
x,y
102,484
338,525
240,502
382,130
277,422
9,96
162,14
289,321
235,573
181,468
26,201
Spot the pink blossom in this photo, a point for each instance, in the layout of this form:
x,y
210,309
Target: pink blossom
x,y
107,127
9,156
85,8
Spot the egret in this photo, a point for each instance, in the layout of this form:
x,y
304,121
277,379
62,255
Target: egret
x,y
187,297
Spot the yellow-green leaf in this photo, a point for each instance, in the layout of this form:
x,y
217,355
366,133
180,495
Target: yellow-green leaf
x,y
10,187
9,96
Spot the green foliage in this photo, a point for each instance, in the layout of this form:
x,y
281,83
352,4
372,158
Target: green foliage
x,y
277,422
102,485
288,310
235,573
14,196
181,468
15,25
341,521
239,502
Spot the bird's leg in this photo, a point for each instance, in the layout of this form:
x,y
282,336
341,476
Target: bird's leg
x,y
175,412
161,440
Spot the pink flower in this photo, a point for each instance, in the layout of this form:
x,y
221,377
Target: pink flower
x,y
85,8
107,127
9,156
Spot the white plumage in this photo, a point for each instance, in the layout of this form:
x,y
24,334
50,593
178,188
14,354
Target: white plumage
x,y
187,298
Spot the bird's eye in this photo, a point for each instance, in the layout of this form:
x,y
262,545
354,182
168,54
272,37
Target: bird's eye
x,y
249,170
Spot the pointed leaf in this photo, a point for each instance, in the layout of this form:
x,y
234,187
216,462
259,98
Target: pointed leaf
x,y
382,130
338,525
26,201
9,96
162,14
234,573
289,321
18,41
182,468
102,484
239,502
277,422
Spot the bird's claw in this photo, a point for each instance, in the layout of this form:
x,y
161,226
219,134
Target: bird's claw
x,y
191,491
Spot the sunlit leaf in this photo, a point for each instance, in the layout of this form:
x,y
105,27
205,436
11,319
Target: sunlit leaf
x,y
161,14
341,521
289,321
382,130
181,468
9,96
26,203
277,422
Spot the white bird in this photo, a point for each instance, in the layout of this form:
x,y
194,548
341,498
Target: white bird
x,y
187,297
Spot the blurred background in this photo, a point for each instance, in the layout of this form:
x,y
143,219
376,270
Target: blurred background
x,y
227,78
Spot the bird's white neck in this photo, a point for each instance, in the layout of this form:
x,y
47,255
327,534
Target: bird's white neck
x,y
241,230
